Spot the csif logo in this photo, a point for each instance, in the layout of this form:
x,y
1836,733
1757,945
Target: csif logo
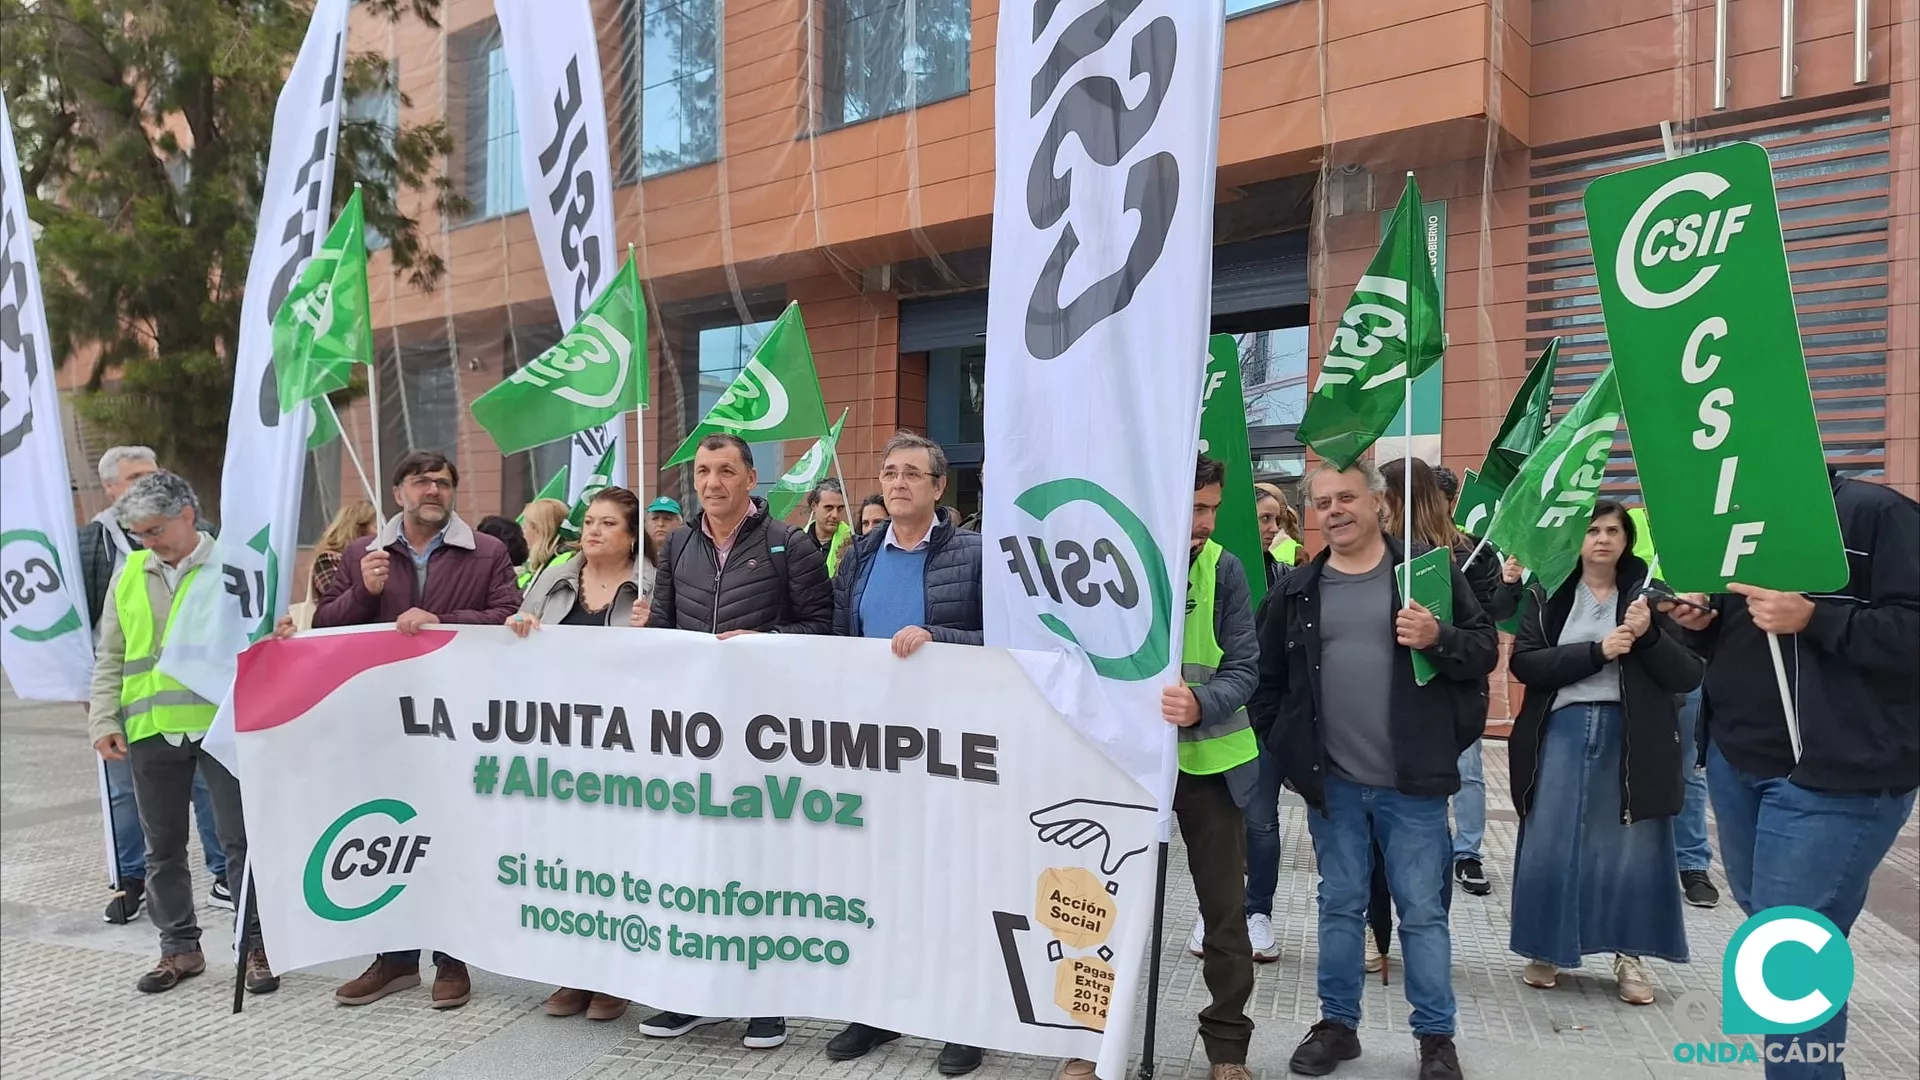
x,y
1696,240
1587,455
572,188
1787,970
360,844
1093,113
19,352
755,402
1098,564
34,605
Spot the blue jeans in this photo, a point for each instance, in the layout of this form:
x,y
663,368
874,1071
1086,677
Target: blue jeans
x,y
1785,844
1263,837
130,842
1413,838
1470,805
1691,849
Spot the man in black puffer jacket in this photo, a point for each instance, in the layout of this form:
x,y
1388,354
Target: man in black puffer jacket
x,y
733,569
911,581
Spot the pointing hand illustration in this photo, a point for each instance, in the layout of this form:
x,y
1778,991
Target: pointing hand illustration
x,y
1079,823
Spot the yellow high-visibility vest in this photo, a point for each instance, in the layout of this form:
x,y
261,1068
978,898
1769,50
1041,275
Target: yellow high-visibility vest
x,y
151,702
1206,748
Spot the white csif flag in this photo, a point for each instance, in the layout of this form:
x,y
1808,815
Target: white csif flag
x,y
1096,350
45,638
553,59
235,601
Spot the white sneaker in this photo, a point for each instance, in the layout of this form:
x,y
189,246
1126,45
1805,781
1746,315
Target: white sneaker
x,y
1260,933
1196,940
1631,976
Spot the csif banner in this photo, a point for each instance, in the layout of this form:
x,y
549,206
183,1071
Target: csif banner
x,y
43,607
1700,319
553,59
260,485
619,809
1106,133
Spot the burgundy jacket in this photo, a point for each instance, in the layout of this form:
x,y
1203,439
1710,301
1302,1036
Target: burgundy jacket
x,y
469,580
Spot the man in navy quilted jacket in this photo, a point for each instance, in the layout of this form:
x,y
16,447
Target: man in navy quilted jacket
x,y
914,580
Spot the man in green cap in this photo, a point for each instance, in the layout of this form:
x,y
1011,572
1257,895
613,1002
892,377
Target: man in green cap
x,y
663,516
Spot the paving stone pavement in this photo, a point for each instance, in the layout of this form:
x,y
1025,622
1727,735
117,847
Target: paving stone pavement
x,y
68,1007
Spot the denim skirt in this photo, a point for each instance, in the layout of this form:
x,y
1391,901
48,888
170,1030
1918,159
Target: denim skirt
x,y
1583,883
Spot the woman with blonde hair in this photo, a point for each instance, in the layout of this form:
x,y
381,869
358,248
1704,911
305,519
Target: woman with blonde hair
x,y
542,521
354,520
1279,525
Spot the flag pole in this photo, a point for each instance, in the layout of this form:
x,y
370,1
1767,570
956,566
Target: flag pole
x,y
1477,549
638,452
1786,694
354,456
106,820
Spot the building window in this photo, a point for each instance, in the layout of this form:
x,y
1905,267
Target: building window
x,y
525,473
419,404
1273,376
885,56
491,148
724,352
368,124
670,107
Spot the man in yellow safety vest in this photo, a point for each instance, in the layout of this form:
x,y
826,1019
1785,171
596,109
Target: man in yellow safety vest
x,y
142,715
1219,765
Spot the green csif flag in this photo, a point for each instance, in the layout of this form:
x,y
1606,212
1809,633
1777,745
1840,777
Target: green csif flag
x,y
1389,334
325,325
597,481
1477,503
1223,437
325,428
1529,417
812,467
775,397
1543,517
596,372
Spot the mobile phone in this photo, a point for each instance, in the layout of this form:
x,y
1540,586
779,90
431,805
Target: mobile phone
x,y
1658,592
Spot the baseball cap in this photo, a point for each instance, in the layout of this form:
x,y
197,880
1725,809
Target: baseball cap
x,y
664,505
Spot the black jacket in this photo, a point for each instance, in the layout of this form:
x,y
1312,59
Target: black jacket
x,y
952,582
1658,667
99,557
1500,600
1432,724
774,581
1852,670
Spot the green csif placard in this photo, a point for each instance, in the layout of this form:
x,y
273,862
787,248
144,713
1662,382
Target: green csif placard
x,y
1713,382
1223,437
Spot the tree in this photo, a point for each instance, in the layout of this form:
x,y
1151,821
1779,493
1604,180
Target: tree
x,y
143,132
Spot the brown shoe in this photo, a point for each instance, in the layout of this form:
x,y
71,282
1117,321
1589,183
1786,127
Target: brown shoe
x,y
382,977
451,987
260,978
606,1007
170,970
1074,1069
567,1001
1229,1071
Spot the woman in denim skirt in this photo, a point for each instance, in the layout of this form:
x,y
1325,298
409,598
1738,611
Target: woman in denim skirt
x,y
1595,758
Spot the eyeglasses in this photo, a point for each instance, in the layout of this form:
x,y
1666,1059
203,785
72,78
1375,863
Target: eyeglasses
x,y
892,474
152,532
429,483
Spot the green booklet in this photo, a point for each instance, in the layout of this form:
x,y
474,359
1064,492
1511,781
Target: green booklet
x,y
1432,588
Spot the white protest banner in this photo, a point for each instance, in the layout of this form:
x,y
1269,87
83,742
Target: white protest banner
x,y
553,59
43,606
237,599
625,810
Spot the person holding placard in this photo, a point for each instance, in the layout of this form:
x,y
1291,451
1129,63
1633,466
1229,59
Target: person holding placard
x,y
1808,830
1595,759
1373,755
